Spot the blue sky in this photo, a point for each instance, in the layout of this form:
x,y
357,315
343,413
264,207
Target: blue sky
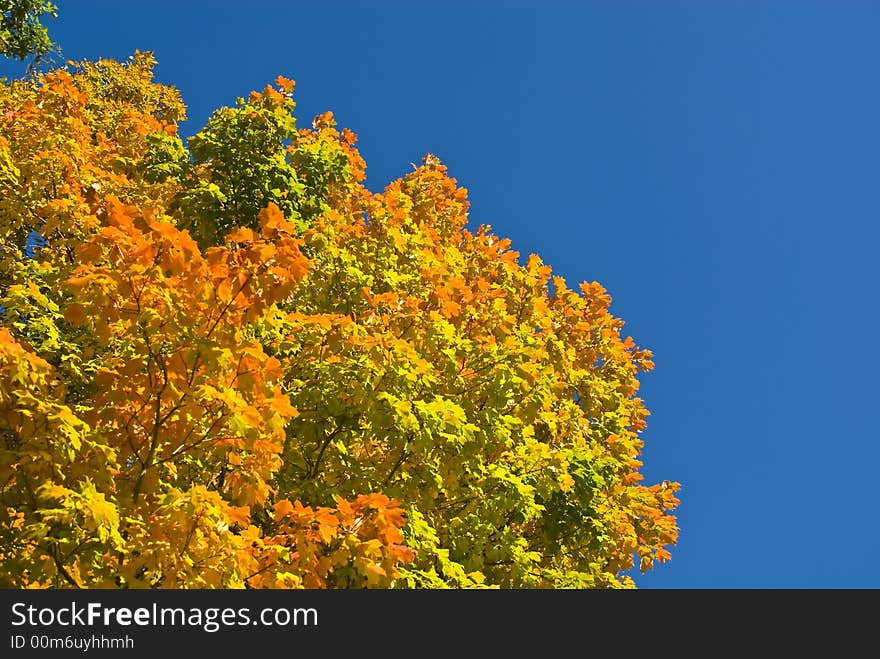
x,y
713,164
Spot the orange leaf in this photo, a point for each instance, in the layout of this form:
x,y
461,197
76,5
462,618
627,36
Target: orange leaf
x,y
285,83
282,509
240,515
281,404
75,314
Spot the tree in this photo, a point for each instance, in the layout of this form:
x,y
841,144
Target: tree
x,y
21,33
234,366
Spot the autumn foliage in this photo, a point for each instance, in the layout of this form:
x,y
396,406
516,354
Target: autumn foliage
x,y
232,365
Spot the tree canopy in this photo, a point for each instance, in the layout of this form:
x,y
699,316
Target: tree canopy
x,y
233,365
22,35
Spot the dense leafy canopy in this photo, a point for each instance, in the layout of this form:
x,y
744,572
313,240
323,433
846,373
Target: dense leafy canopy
x,y
234,366
21,33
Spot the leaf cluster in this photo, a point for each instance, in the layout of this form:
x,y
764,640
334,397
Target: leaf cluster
x,y
232,365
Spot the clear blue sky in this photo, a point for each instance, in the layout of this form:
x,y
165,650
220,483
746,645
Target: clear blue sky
x,y
714,164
